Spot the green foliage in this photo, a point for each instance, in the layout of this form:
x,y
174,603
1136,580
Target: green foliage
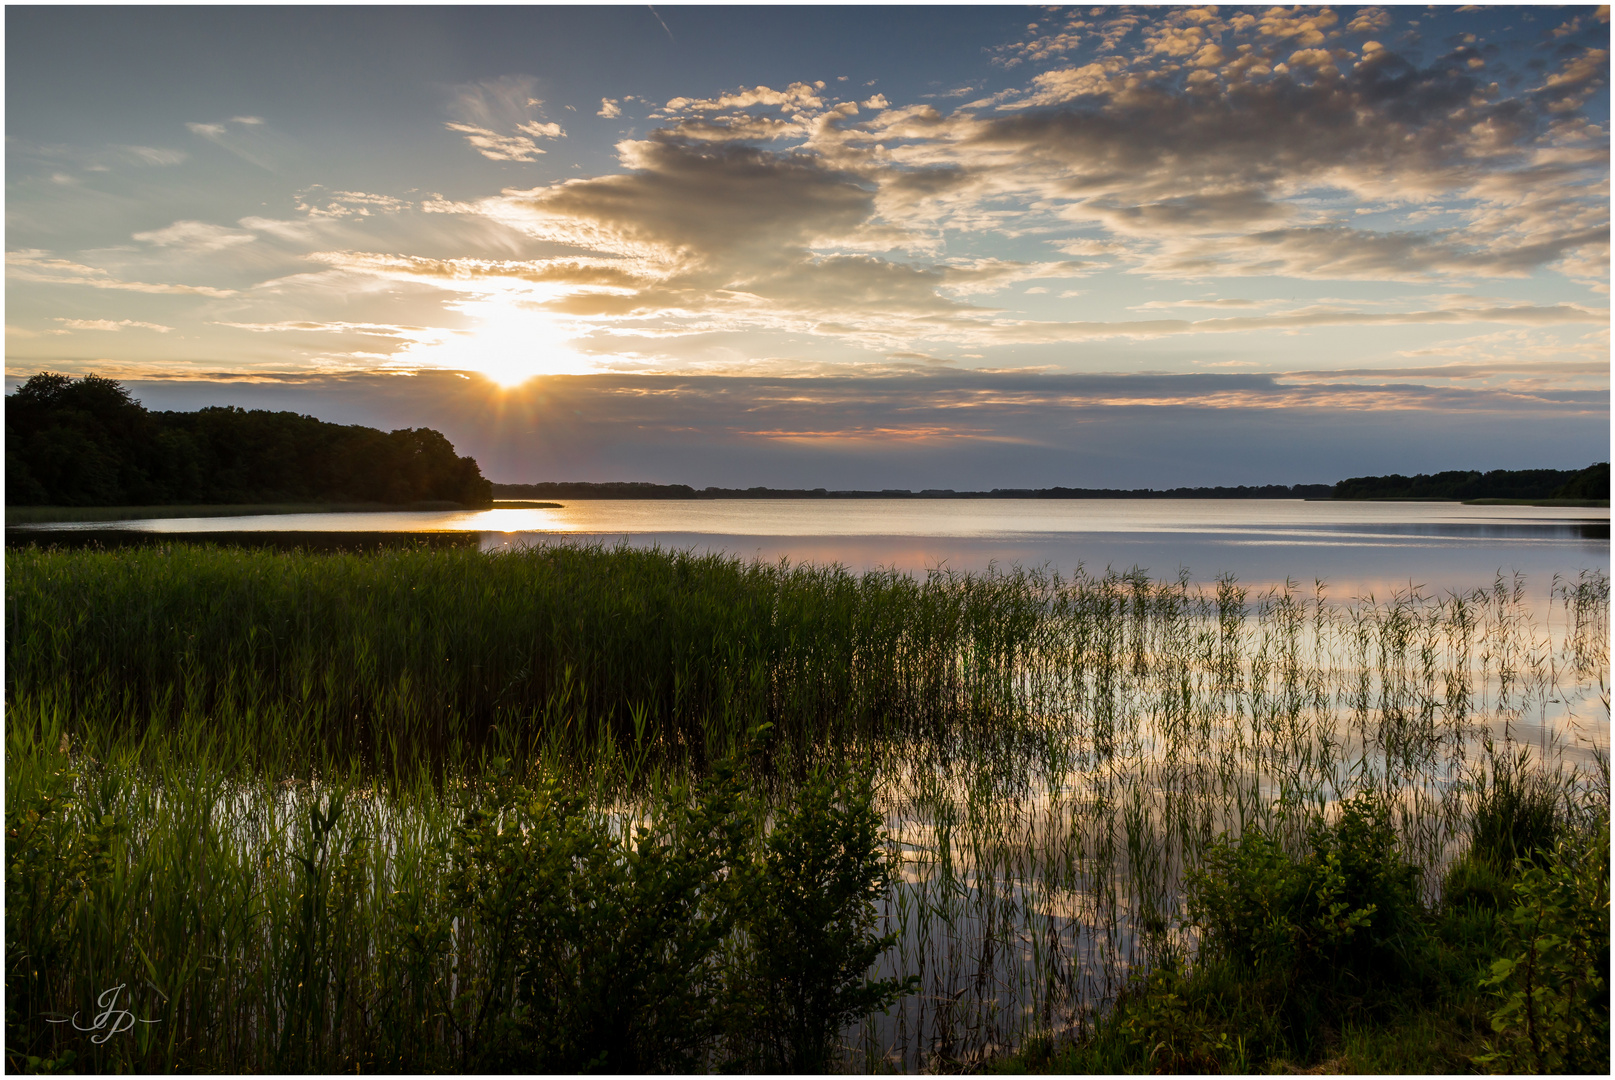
x,y
1553,978
1590,483
1171,1037
606,947
87,442
1333,914
810,918
1052,752
392,658
609,948
56,856
1518,811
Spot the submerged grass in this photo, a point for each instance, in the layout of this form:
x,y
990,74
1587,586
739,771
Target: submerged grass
x,y
1053,758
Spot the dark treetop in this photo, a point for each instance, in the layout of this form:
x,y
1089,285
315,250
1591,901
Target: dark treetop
x,y
86,442
1589,483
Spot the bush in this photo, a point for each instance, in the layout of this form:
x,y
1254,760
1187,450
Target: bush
x,y
682,944
1554,977
810,920
1337,911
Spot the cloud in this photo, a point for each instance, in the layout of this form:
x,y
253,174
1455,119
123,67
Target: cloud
x,y
150,155
1303,319
497,147
498,118
1180,145
797,97
931,426
1462,370
1338,252
248,139
694,205
195,237
32,264
108,324
320,203
488,274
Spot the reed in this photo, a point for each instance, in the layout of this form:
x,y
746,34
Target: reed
x,y
1051,756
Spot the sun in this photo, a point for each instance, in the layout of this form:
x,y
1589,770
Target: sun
x,y
508,343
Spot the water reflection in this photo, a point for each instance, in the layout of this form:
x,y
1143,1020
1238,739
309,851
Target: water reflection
x,y
1355,547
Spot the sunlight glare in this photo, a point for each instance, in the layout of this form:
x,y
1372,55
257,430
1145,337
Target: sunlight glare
x,y
509,345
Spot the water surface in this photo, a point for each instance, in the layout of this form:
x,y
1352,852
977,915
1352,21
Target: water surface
x,y
1352,546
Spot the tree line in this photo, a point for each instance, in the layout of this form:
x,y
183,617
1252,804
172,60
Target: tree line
x,y
1589,483
88,442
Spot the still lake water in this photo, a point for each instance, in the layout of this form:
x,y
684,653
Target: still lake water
x,y
1354,547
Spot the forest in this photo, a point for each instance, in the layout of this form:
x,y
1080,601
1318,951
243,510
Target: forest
x,y
89,442
1509,484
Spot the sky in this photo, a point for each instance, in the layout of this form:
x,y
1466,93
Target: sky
x,y
848,247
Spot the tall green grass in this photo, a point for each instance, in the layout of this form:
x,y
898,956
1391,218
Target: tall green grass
x,y
405,656
1052,756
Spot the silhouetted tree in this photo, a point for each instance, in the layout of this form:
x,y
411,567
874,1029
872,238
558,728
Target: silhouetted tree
x,y
87,442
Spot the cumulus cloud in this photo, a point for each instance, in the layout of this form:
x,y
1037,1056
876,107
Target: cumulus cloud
x,y
694,205
1175,144
796,97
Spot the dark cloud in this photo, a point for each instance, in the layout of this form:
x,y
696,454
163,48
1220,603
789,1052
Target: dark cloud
x,y
947,429
698,206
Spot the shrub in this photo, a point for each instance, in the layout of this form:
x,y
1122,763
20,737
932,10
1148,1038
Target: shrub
x,y
1333,912
603,946
810,918
1554,977
677,944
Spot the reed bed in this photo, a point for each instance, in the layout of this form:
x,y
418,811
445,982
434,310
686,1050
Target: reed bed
x,y
1051,754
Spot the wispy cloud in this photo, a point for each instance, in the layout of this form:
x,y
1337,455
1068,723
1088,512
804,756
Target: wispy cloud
x,y
195,236
41,266
247,137
498,118
111,325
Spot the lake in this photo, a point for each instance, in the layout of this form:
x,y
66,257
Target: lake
x,y
1068,750
1354,547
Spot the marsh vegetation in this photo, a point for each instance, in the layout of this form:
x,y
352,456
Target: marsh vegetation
x,y
418,809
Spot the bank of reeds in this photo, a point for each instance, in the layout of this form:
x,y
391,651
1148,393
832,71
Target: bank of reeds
x,y
1053,756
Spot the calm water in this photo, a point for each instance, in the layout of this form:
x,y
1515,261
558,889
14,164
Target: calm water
x,y
1353,547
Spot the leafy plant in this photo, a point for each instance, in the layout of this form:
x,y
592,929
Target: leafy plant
x,y
605,947
1518,810
1554,978
810,918
1172,1037
1317,917
55,856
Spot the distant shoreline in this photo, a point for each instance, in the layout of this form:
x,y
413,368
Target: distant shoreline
x,y
581,490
